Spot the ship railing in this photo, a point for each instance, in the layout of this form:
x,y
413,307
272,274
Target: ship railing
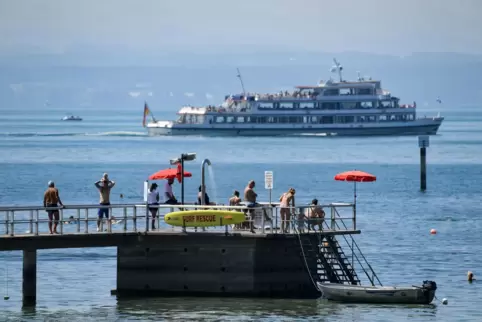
x,y
82,219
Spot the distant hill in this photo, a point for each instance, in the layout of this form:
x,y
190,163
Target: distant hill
x,y
125,80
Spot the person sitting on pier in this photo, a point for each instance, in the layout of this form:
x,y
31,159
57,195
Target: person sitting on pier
x,y
236,201
316,215
52,200
153,200
286,199
206,197
104,186
168,194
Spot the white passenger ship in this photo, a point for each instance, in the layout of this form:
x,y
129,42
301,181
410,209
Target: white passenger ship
x,y
341,107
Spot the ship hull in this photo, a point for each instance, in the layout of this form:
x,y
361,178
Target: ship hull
x,y
417,128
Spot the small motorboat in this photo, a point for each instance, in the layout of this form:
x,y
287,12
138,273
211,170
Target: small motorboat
x,y
381,295
71,118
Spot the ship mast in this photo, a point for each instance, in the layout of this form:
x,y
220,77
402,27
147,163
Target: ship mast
x,y
241,80
337,68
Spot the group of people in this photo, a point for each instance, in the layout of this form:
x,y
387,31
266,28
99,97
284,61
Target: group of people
x,y
314,216
52,200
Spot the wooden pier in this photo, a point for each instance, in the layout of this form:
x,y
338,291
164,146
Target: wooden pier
x,y
216,262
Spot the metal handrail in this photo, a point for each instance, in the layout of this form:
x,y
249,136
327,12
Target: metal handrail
x,y
15,215
354,244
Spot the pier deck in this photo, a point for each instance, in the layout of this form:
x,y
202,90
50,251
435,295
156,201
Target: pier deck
x,y
113,239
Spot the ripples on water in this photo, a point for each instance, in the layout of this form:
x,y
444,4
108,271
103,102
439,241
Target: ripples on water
x,y
395,218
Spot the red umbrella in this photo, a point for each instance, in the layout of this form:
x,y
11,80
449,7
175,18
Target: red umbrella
x,y
170,173
355,176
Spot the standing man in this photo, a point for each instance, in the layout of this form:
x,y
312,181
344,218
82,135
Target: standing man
x,y
250,198
52,199
153,200
104,186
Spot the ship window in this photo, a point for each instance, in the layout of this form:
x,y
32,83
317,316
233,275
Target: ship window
x,y
264,106
314,119
240,119
327,119
367,118
329,106
295,119
393,117
230,119
285,105
349,119
365,91
348,105
345,119
253,119
345,91
182,119
306,105
283,119
382,118
367,104
330,92
271,119
411,117
262,119
385,104
219,119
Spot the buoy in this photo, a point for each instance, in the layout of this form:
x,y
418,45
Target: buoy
x,y
433,231
6,298
470,276
445,301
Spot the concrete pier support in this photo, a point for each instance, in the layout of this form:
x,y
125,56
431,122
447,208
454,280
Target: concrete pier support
x,y
29,284
214,265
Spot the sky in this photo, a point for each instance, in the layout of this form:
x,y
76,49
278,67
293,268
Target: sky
x,y
393,27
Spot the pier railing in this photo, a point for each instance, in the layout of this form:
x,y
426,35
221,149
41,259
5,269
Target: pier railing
x,y
82,219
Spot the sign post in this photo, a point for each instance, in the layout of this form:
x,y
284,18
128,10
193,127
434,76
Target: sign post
x,y
423,143
268,182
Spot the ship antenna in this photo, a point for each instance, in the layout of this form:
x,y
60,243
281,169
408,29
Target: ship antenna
x,y
241,80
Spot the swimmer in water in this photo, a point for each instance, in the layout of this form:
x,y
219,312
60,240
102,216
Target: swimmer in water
x,y
70,221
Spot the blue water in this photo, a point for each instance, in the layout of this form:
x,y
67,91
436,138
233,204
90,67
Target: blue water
x,y
395,218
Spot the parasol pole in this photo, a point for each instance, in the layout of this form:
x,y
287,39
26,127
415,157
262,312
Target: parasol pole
x,y
354,205
182,180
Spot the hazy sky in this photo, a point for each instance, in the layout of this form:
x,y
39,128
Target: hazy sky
x,y
379,26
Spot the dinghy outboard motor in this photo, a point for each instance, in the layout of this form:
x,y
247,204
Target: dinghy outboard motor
x,y
429,288
429,285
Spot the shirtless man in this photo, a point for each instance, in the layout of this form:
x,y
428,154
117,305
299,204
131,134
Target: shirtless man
x,y
316,216
250,198
51,200
286,199
104,186
236,201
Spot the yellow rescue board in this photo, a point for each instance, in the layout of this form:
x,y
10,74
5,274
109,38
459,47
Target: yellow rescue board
x,y
204,218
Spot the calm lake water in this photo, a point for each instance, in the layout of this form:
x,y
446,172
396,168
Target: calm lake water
x,y
395,218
